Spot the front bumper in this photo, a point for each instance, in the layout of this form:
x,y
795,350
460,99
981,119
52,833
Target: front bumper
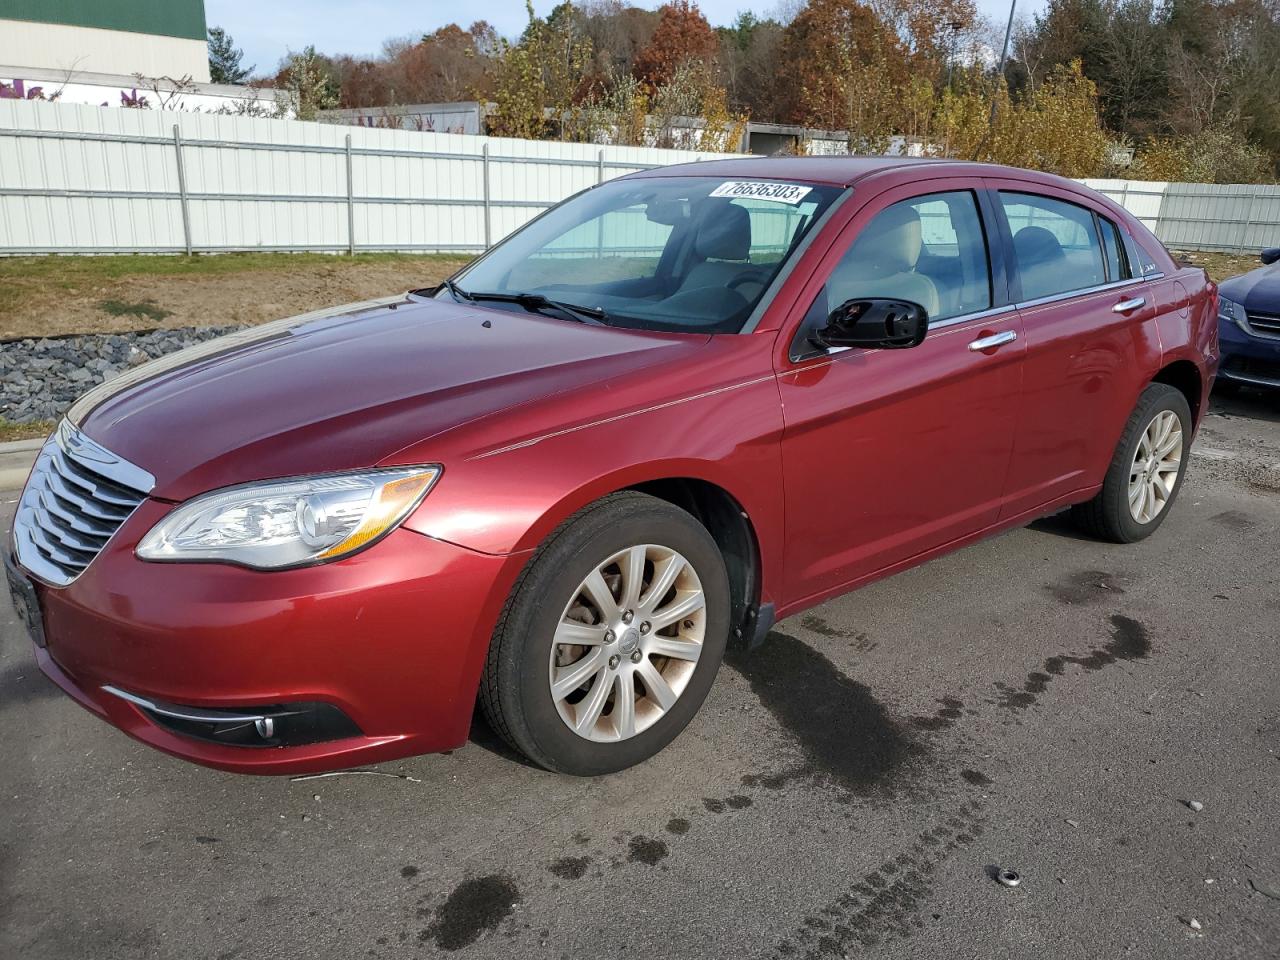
x,y
1248,357
394,638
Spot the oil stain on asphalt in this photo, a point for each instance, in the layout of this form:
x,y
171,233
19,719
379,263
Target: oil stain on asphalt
x,y
1084,587
646,850
570,868
846,736
1129,641
473,908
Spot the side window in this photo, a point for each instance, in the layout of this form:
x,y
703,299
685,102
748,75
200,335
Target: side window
x,y
1113,248
1054,245
930,250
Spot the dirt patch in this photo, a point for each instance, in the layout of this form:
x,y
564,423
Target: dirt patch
x,y
1219,266
82,298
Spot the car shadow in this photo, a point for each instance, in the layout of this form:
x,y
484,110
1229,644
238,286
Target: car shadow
x,y
484,737
1060,525
1252,403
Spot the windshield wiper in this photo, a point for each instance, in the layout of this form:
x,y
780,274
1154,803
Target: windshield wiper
x,y
535,302
457,291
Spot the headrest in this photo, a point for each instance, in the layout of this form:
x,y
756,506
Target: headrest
x,y
724,234
1036,245
892,240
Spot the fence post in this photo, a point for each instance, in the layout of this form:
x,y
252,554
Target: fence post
x,y
1248,222
488,218
600,167
182,189
1124,196
351,204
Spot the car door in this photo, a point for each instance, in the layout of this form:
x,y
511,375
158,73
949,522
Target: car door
x,y
889,453
1087,320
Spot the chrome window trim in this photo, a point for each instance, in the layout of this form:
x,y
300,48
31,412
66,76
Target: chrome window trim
x,y
990,312
1006,308
1083,291
967,317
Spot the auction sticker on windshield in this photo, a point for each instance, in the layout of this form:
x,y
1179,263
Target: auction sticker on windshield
x,y
759,190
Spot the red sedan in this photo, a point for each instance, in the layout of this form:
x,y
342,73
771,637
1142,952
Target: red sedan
x,y
671,410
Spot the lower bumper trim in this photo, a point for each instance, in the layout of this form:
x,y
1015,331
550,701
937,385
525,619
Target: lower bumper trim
x,y
277,725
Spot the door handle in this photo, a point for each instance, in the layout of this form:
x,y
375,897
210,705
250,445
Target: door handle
x,y
993,341
1124,306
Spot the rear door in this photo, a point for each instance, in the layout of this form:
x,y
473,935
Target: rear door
x,y
888,453
1087,322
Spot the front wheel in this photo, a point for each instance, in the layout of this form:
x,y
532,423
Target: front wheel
x,y
611,638
1146,471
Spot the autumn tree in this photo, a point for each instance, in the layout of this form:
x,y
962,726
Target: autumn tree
x,y
310,83
749,49
538,81
682,35
1056,128
845,67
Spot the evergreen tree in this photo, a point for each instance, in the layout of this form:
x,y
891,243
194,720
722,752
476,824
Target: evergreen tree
x,y
224,58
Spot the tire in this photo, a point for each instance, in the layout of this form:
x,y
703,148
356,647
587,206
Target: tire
x,y
552,600
1109,515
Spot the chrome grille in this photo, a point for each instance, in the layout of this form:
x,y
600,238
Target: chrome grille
x,y
78,495
1265,323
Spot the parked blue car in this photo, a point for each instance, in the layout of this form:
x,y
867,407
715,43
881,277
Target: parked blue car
x,y
1249,325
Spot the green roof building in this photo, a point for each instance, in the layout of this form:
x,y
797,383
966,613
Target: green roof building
x,y
156,38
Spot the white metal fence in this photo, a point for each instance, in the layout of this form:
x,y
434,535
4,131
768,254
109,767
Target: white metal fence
x,y
84,179
1201,216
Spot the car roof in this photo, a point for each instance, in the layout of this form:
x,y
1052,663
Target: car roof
x,y
840,171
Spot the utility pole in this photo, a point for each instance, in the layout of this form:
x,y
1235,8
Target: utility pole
x,y
1004,55
954,26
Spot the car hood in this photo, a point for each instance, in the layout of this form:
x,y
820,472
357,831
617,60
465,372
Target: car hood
x,y
1258,290
345,388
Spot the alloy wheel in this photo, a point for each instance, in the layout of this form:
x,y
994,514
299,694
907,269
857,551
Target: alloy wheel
x,y
627,643
1156,464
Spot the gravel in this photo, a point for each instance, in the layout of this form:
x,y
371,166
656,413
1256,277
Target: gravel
x,y
40,379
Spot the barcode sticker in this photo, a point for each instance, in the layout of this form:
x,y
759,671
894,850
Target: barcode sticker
x,y
791,193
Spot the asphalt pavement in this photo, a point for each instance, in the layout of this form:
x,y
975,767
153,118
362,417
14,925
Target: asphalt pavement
x,y
1039,702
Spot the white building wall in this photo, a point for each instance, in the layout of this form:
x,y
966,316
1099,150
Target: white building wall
x,y
56,46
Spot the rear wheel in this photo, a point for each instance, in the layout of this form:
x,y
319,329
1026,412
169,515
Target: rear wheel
x,y
1146,471
611,638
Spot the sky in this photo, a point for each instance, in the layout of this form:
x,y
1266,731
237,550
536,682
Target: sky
x,y
268,29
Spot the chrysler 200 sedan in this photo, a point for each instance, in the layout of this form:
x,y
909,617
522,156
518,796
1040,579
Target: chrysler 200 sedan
x,y
667,412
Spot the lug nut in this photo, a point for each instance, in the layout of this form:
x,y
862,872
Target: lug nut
x,y
614,661
636,656
610,636
628,616
645,627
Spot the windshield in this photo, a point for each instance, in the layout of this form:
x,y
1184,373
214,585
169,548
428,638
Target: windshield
x,y
692,254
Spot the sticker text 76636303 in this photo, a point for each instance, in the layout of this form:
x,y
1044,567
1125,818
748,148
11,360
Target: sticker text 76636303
x,y
791,193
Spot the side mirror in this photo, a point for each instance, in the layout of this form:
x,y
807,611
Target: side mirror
x,y
876,323
1270,255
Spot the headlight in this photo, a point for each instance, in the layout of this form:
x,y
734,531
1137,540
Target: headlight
x,y
1230,310
289,523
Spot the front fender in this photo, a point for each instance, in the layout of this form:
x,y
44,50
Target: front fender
x,y
509,499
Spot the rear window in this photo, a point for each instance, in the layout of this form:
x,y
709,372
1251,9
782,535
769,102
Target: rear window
x,y
1055,245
